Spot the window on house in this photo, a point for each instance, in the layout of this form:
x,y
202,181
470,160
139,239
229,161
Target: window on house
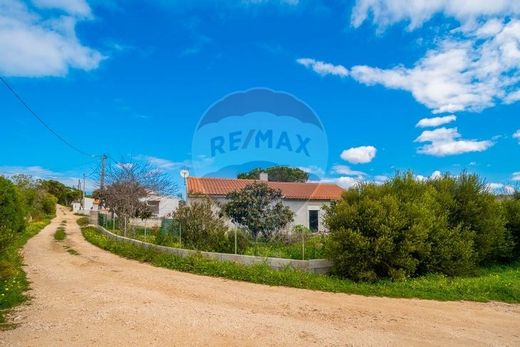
x,y
313,220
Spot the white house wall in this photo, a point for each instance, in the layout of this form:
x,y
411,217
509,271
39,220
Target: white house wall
x,y
167,206
299,207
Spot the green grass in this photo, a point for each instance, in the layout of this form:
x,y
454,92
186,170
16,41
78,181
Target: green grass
x,y
314,249
501,283
13,281
314,245
59,234
83,221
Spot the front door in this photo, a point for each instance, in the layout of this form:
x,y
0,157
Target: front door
x,y
313,220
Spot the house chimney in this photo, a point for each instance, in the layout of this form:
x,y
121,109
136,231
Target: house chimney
x,y
264,176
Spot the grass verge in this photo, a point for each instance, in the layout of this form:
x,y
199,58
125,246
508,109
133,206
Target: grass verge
x,y
13,280
501,283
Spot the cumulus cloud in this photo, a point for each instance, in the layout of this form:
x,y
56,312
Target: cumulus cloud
x,y
37,45
359,155
435,121
515,176
323,68
468,74
387,12
447,141
470,68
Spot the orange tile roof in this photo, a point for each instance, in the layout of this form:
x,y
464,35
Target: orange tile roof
x,y
290,190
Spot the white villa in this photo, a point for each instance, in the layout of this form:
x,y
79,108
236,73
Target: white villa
x,y
306,200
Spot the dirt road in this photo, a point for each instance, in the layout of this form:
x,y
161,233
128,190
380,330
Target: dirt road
x,y
97,298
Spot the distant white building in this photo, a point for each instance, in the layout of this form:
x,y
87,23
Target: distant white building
x,y
162,206
85,205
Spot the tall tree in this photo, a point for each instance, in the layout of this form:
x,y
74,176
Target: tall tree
x,y
277,174
259,208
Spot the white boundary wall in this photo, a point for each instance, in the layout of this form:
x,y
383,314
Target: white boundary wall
x,y
313,265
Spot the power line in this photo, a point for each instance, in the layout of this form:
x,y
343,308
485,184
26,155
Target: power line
x,y
11,89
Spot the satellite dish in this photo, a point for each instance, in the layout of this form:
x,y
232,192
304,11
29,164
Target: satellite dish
x,y
185,173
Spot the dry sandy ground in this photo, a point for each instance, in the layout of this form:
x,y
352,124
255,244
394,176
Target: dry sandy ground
x,y
97,298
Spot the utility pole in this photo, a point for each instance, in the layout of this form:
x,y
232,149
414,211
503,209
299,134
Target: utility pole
x,y
102,177
84,191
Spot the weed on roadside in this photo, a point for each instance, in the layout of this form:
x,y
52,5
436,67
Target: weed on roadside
x,y
60,234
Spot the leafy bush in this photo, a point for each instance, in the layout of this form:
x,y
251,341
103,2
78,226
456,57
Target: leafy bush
x,y
11,212
407,227
259,208
512,213
203,229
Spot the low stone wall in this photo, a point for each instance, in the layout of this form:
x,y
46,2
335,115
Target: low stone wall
x,y
313,265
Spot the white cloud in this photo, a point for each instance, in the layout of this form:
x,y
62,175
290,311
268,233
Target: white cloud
x,y
359,155
387,12
446,141
500,188
323,68
347,171
34,45
435,121
472,67
516,176
516,135
343,181
436,174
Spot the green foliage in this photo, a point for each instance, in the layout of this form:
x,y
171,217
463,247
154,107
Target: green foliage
x,y
472,207
11,210
500,283
277,174
83,221
36,201
512,213
406,228
203,229
258,208
13,281
59,234
65,195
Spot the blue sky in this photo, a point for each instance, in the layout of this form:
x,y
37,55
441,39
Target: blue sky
x,y
132,79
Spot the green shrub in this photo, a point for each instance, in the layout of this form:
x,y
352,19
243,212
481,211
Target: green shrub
x,y
11,211
203,229
512,213
470,205
407,227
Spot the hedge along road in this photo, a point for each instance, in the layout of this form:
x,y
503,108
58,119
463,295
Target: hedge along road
x,y
97,298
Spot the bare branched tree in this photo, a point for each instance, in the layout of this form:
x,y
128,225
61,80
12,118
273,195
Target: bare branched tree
x,y
129,184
